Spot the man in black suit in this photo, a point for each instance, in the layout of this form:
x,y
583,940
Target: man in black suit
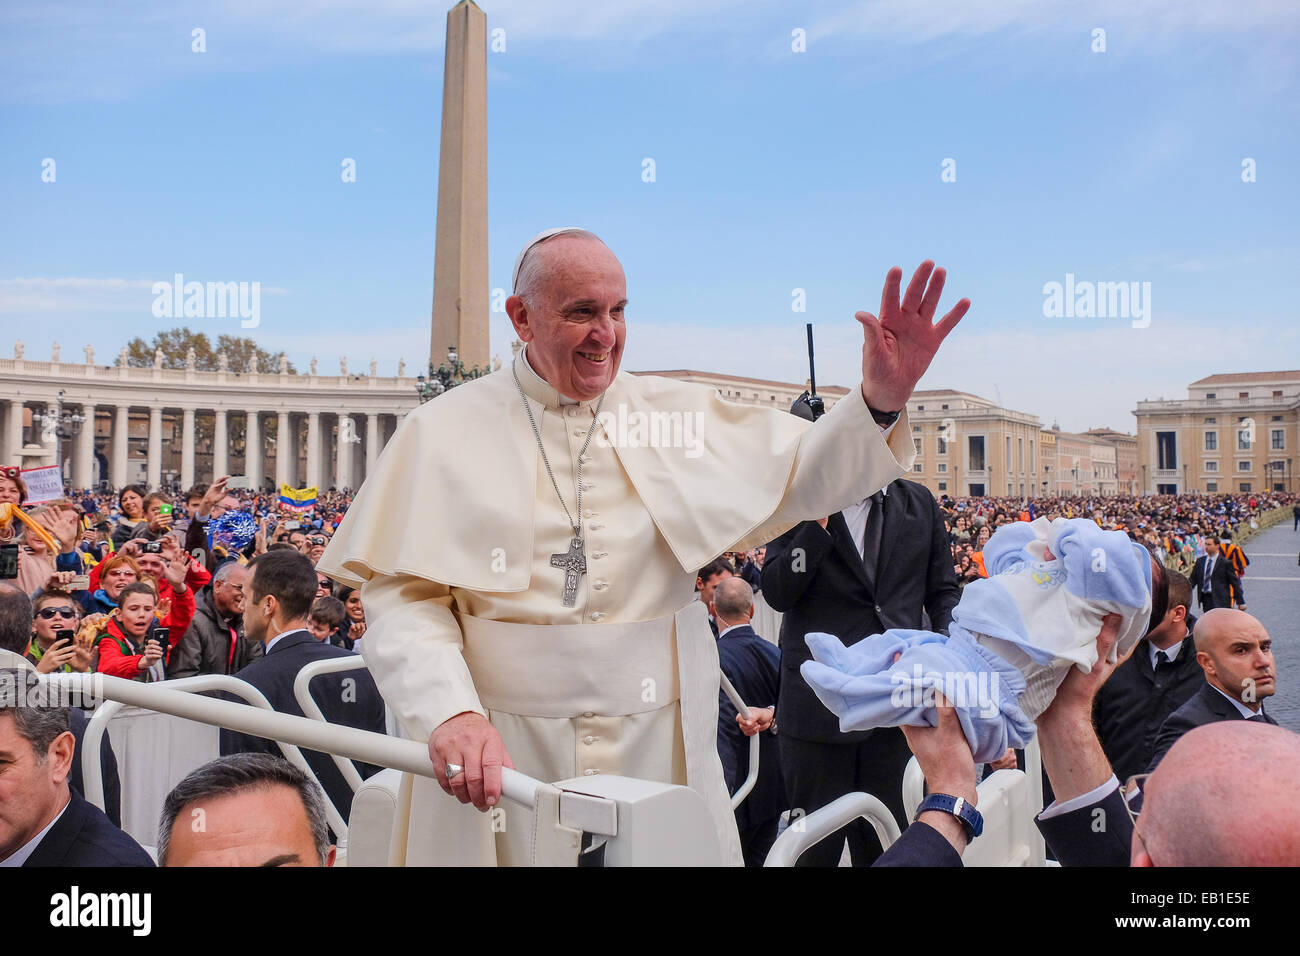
x,y
1236,655
876,565
1159,676
43,821
753,665
281,588
1215,581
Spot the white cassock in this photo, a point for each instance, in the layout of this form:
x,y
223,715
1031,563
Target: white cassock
x,y
451,541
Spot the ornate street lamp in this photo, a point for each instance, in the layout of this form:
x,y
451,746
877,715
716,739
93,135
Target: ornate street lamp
x,y
58,427
447,375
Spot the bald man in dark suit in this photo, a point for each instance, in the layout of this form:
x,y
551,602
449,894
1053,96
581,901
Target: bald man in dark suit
x,y
1236,654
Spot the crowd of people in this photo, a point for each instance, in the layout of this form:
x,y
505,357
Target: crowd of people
x,y
1178,529
148,587
1175,527
143,585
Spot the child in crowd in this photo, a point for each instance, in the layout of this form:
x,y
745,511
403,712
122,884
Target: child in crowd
x,y
324,619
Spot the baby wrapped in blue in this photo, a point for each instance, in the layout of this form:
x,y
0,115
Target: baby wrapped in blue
x,y
1013,638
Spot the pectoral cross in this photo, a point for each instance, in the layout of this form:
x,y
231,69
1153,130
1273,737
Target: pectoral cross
x,y
575,565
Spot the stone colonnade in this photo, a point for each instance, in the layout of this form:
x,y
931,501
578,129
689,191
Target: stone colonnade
x,y
173,428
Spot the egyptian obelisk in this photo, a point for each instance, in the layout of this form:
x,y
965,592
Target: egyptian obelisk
x,y
460,268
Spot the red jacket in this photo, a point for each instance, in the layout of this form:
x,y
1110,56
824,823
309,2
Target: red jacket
x,y
182,612
112,660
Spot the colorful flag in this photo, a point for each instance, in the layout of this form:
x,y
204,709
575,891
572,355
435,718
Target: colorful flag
x,y
297,499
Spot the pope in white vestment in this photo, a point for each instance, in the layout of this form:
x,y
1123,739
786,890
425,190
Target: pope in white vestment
x,y
456,537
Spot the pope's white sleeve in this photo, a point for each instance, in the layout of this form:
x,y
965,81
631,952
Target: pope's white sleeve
x,y
413,648
842,459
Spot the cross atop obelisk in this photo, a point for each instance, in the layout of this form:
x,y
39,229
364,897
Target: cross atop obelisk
x,y
460,268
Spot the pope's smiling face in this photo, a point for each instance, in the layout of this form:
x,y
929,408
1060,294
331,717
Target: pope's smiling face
x,y
573,319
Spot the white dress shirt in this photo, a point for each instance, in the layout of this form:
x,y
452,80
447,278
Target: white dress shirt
x,y
855,516
1059,807
1171,651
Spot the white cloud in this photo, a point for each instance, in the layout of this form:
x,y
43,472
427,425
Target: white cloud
x,y
1082,373
73,294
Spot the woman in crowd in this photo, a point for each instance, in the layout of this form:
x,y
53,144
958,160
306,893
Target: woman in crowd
x,y
127,647
354,625
113,576
130,502
13,490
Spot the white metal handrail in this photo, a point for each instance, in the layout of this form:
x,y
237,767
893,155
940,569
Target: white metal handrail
x,y
752,778
1034,771
914,793
804,832
913,788
379,749
302,693
92,772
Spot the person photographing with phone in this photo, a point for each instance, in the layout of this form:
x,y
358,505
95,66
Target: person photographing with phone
x,y
157,523
175,576
54,648
134,641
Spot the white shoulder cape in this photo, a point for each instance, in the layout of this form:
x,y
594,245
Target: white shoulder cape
x,y
460,474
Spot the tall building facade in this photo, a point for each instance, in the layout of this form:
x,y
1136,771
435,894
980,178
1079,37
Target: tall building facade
x,y
1082,465
1126,458
968,445
1235,432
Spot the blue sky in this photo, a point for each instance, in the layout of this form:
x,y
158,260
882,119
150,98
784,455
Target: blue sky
x,y
775,170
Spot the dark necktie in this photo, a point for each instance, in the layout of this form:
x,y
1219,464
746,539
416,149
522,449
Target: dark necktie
x,y
1258,718
1161,659
871,537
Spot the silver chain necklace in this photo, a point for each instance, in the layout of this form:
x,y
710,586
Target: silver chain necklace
x,y
573,561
